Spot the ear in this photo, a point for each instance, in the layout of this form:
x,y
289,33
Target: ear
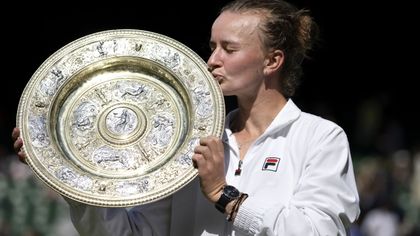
x,y
273,62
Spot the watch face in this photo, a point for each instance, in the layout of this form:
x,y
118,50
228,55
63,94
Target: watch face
x,y
231,191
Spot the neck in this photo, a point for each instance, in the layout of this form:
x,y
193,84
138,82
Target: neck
x,y
254,116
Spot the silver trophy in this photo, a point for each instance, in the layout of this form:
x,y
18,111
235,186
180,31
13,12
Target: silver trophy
x,y
112,119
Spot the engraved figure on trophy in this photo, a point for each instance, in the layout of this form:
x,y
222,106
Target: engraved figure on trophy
x,y
38,132
121,121
85,116
109,158
204,104
162,132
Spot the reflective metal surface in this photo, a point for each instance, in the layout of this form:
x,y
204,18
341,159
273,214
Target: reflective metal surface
x,y
112,118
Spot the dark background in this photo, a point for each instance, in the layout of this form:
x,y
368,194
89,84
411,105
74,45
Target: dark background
x,y
362,76
362,65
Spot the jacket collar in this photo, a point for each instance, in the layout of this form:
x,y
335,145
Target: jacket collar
x,y
287,115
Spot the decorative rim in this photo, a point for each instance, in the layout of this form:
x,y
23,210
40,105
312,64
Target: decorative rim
x,y
112,119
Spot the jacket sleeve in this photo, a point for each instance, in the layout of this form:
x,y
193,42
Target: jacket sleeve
x,y
148,219
325,200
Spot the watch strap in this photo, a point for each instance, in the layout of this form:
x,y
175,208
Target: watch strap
x,y
222,202
229,193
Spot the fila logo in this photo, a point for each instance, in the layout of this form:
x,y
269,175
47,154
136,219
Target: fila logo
x,y
271,163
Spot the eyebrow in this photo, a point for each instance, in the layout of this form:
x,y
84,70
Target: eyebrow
x,y
224,42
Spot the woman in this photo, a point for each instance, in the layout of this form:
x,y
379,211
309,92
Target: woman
x,y
277,170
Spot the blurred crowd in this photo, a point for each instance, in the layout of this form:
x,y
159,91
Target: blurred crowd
x,y
27,206
387,167
389,190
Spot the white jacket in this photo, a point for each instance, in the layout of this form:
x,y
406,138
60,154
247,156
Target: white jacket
x,y
298,174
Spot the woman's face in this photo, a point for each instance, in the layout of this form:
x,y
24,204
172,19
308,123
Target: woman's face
x,y
237,58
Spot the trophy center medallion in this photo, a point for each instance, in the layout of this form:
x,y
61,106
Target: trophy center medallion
x,y
122,124
121,121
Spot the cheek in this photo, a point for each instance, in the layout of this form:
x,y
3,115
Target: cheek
x,y
241,77
242,66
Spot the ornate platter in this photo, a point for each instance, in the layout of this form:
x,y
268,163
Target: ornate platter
x,y
112,118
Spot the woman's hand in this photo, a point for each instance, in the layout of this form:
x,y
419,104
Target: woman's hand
x,y
17,145
209,160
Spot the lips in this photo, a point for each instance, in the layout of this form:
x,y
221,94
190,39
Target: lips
x,y
218,77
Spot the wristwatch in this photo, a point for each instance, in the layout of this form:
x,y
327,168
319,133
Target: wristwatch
x,y
229,194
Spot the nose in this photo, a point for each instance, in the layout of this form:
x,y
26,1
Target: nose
x,y
214,60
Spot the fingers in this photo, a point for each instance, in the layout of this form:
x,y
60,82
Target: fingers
x,y
208,159
18,144
22,157
197,160
210,140
215,143
19,150
202,152
209,146
208,153
15,133
17,141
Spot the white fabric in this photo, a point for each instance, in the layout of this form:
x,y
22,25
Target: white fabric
x,y
311,190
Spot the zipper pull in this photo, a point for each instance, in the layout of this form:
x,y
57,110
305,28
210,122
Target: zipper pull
x,y
239,170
